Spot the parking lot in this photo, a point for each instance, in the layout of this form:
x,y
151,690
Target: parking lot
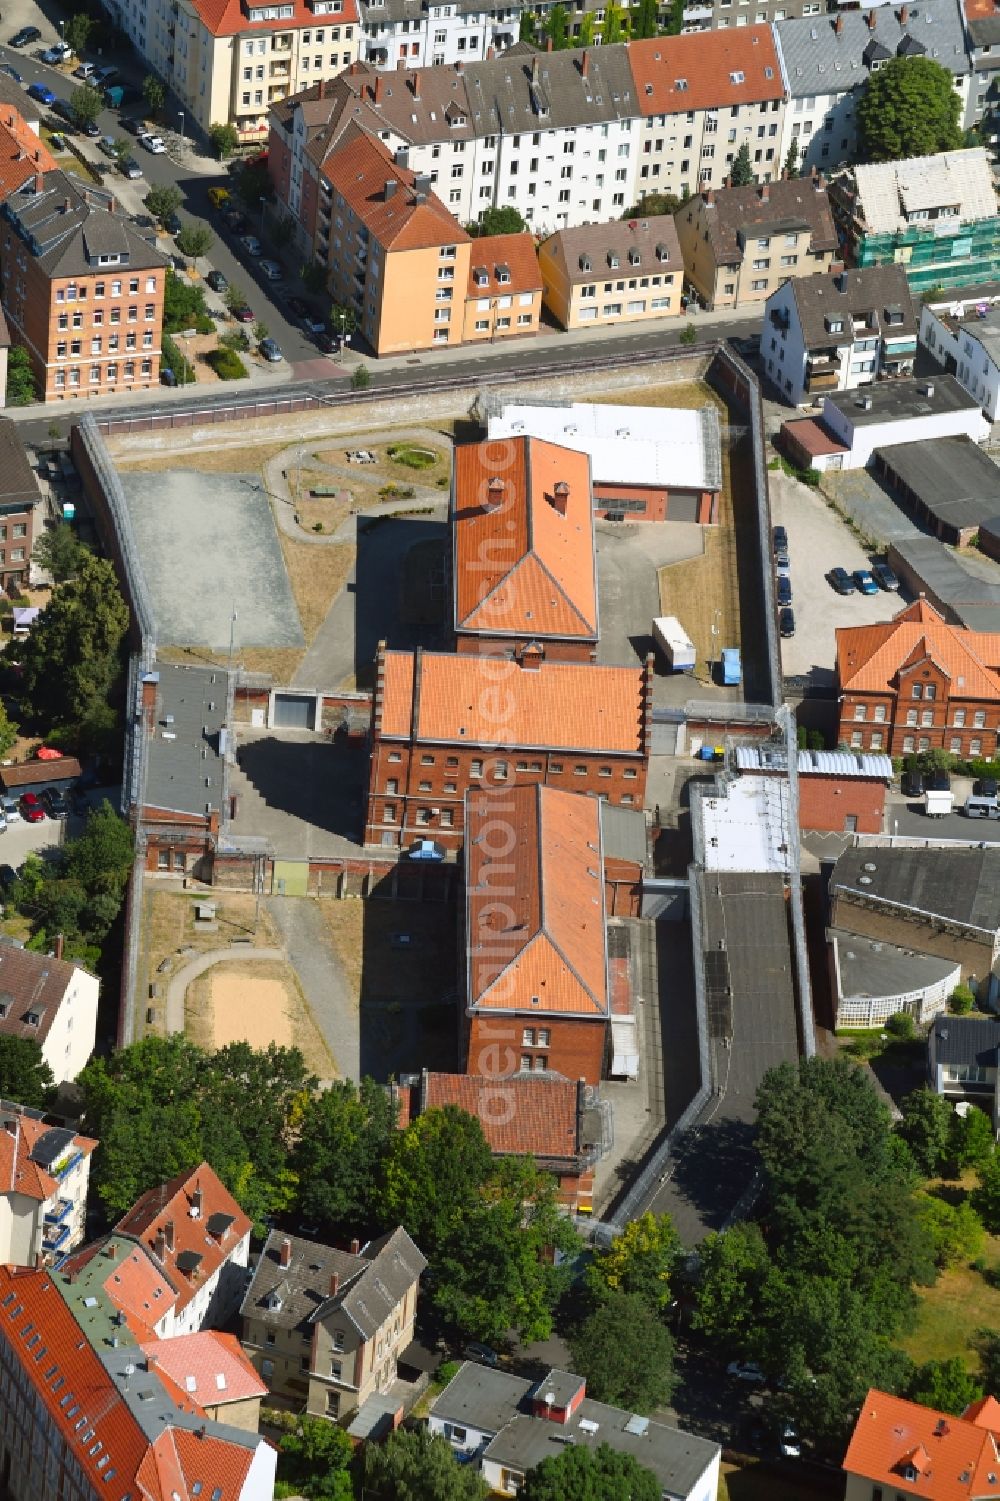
x,y
819,540
21,839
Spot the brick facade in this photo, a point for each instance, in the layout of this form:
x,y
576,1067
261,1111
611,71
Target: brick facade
x,y
573,1047
655,500
841,804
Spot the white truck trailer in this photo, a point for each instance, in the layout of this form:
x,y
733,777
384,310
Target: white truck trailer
x,y
675,643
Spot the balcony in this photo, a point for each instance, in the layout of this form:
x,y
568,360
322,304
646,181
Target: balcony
x,y
66,1166
53,1239
281,69
58,1214
822,380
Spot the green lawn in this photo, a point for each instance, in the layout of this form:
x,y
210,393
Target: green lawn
x,y
960,1302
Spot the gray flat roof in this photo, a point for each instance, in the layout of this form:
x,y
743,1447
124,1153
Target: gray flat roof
x,y
943,576
873,969
677,1459
478,1397
897,399
624,833
184,768
952,477
959,885
966,1039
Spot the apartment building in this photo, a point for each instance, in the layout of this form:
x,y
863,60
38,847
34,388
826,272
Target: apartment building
x,y
982,30
827,59
230,61
965,338
51,1001
82,289
503,298
524,563
20,504
325,1327
626,271
23,153
917,684
412,34
44,1176
934,215
84,1413
443,723
904,1448
740,244
717,15
700,98
537,989
838,332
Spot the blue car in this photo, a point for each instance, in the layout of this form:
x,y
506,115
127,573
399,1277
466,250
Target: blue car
x,y
42,93
864,581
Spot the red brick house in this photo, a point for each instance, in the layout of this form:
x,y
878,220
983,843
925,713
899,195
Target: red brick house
x,y
442,723
537,992
524,566
917,684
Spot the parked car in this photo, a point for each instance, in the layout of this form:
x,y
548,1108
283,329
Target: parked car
x,y
786,621
131,168
32,808
780,539
985,787
217,197
272,270
913,783
41,92
885,578
217,281
107,145
475,1351
104,75
328,343
132,125
11,811
11,73
937,781
244,313
25,36
55,804
8,877
866,584
784,585
234,220
57,141
298,306
56,54
153,143
271,350
313,326
745,1370
251,244
842,581
91,128
782,560
85,71
789,1442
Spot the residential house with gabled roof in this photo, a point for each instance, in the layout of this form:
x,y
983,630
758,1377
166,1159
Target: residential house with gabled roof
x,y
22,152
700,98
443,723
44,1176
537,990
209,1368
325,1327
838,331
625,271
52,1001
81,1402
828,59
524,563
916,683
503,299
902,1448
739,244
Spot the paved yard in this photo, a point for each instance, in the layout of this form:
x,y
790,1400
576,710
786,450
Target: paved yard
x,y
302,792
819,540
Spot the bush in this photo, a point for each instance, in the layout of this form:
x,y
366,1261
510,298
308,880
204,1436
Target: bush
x,y
901,1027
361,379
227,364
235,339
962,1000
175,361
225,139
413,458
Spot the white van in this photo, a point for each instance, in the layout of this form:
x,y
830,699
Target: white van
x,y
981,807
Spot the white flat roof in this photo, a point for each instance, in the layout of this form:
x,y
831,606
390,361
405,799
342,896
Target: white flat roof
x,y
676,447
747,826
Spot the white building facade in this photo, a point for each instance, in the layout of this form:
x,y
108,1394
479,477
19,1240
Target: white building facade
x,y
965,338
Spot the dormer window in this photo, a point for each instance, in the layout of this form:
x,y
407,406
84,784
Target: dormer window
x,y
271,13
613,260
503,276
834,325
634,257
481,277
585,264
680,84
737,77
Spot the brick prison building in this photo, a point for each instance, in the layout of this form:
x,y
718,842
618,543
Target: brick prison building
x,y
442,723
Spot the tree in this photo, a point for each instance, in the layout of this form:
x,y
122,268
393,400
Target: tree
x,y
195,240
8,731
986,1343
688,334
556,27
314,277
527,26
901,1026
72,657
908,108
234,297
163,202
76,32
986,1198
945,1385
343,1135
85,104
501,220
225,139
316,1458
579,1474
614,24
586,33
733,1268
654,204
626,1356
343,320
25,1077
416,1465
60,552
793,158
434,1175
973,1142
641,1260
21,387
361,379
183,303
122,150
955,1229
741,172
927,1128
260,330
962,1000
154,92
647,21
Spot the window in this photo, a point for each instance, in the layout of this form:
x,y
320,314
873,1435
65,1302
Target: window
x,y
927,717
959,719
975,747
476,769
879,714
979,719
528,1037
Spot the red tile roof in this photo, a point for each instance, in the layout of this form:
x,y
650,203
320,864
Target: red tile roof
x,y
229,17
19,1137
169,1209
870,657
359,169
525,561
522,1115
811,436
706,70
22,153
206,1368
542,949
926,1454
462,700
516,253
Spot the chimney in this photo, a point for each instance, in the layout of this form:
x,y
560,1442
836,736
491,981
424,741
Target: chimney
x,y
60,945
401,65
390,188
285,1253
838,26
904,14
840,281
196,1203
168,1235
765,193
585,63
459,66
151,1362
534,70
161,1245
871,20
709,196
491,52
494,497
65,206
322,88
334,1284
819,183
379,85
560,496
548,44
37,157
415,84
355,1247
